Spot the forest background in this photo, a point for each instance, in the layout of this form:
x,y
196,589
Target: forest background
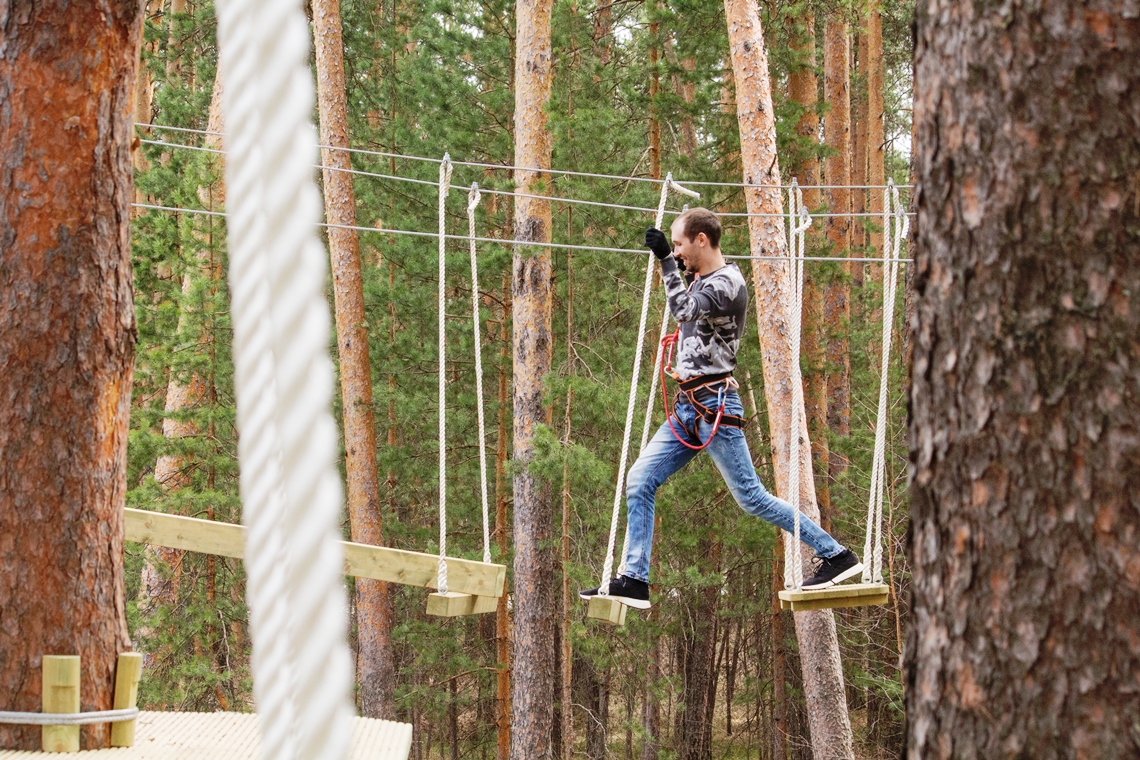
x,y
638,90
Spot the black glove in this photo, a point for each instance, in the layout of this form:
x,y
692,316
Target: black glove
x,y
655,241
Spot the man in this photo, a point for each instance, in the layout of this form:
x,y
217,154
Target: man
x,y
708,413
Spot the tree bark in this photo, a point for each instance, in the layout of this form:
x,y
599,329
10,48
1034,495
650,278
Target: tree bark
x,y
535,587
566,703
837,170
698,640
819,646
1024,421
375,667
876,139
67,345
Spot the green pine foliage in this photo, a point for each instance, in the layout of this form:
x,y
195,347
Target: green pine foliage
x,y
433,77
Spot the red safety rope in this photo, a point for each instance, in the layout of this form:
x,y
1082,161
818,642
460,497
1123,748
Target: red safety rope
x,y
667,344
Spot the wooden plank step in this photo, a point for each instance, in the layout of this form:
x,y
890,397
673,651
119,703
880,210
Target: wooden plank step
x,y
360,560
835,597
607,610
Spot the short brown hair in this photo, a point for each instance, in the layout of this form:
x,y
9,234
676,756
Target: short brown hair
x,y
698,220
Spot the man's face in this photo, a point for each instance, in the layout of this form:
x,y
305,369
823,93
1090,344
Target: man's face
x,y
688,252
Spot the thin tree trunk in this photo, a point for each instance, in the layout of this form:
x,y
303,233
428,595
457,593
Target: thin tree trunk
x,y
502,612
1022,638
654,90
837,170
859,142
535,590
162,566
804,90
376,670
876,140
779,657
566,701
67,346
819,646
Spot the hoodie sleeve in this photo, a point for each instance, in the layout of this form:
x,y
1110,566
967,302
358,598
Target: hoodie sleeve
x,y
689,306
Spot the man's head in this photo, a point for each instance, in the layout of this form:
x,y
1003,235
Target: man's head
x,y
696,240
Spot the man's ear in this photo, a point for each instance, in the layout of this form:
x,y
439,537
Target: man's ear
x,y
699,237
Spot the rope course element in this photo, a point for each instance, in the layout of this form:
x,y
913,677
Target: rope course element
x,y
284,380
472,204
444,187
69,719
798,223
895,228
607,568
509,167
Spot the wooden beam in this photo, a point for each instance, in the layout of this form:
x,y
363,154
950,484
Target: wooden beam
x,y
60,674
128,670
360,560
453,604
607,610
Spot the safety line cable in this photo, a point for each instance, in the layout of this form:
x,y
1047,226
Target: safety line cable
x,y
798,224
507,167
503,241
516,194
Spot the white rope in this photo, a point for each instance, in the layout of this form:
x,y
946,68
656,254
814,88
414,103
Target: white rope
x,y
472,203
506,167
647,292
895,224
69,719
798,222
258,451
265,45
441,306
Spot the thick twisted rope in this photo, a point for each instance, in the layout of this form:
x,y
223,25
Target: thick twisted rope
x,y
258,450
798,222
69,719
444,188
283,324
472,203
895,224
647,292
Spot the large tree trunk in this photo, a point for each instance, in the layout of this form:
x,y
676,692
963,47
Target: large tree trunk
x,y
535,587
375,668
67,345
837,170
819,645
1025,422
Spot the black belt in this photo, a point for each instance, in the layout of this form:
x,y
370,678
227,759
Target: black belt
x,y
689,389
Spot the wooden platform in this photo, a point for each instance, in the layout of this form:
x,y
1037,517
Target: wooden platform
x,y
835,597
229,736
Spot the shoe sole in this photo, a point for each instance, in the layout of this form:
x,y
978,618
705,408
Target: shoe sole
x,y
638,604
847,574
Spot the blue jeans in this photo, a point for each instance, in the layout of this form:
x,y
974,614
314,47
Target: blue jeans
x,y
664,455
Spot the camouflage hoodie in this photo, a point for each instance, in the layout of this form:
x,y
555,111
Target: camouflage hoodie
x,y
711,314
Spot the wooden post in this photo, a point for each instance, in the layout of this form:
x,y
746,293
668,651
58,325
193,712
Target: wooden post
x,y
127,674
60,695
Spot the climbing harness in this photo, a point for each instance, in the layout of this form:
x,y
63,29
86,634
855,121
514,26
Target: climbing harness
x,y
691,390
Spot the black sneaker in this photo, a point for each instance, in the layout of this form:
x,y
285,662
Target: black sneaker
x,y
629,591
835,570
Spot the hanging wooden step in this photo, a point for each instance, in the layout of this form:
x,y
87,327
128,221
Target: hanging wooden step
x,y
835,597
607,610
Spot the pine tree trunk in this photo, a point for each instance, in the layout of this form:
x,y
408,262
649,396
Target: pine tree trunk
x,y
837,170
566,702
67,345
1025,422
502,613
375,667
532,697
698,638
803,88
819,645
876,140
162,566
